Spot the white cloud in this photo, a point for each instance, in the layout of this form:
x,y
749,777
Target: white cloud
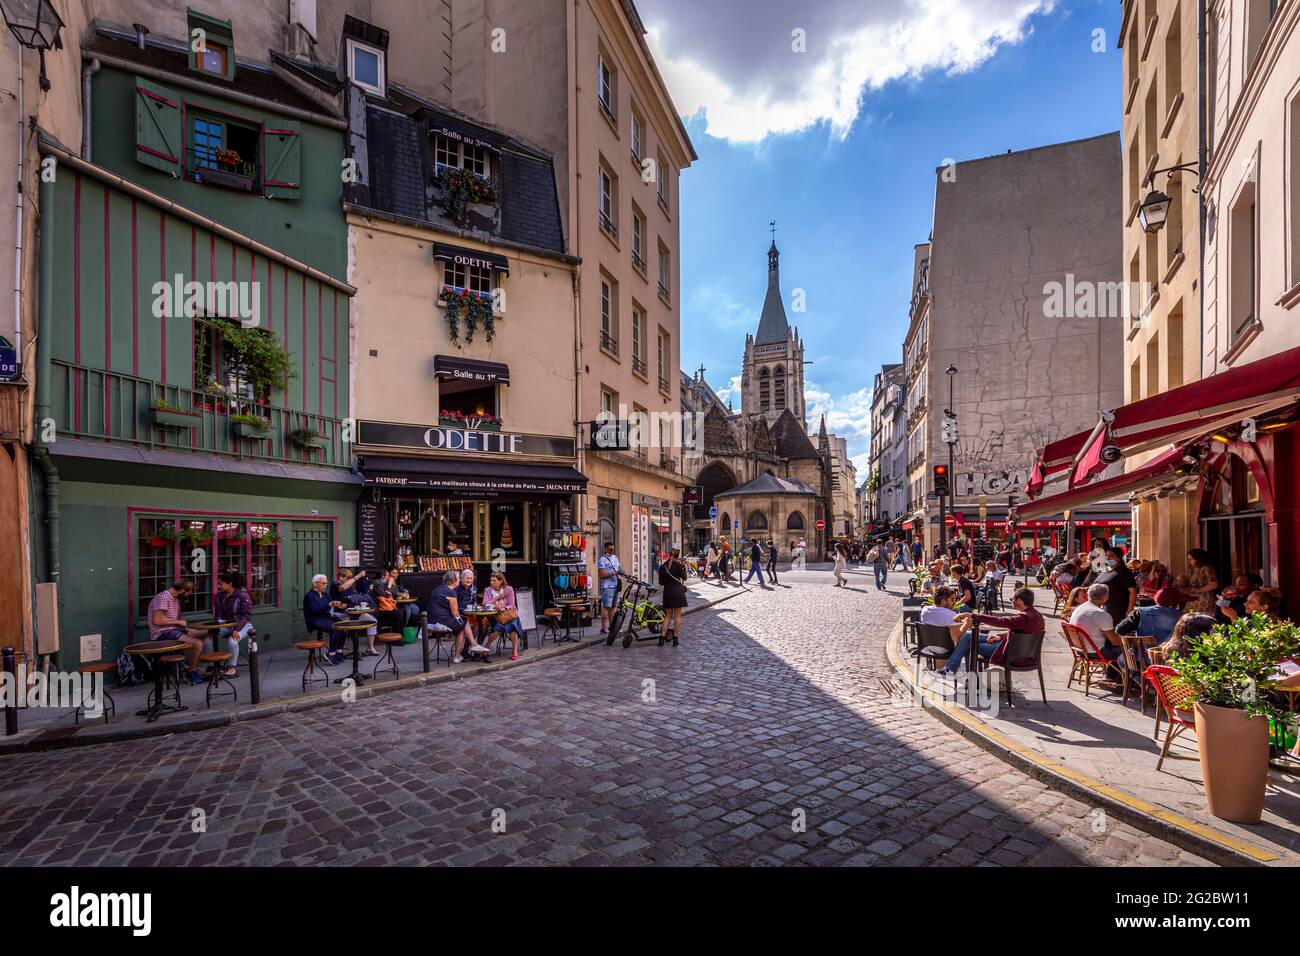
x,y
731,393
848,416
735,64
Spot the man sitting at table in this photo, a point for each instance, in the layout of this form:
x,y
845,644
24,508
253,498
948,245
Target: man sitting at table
x,y
1093,618
1026,620
942,613
166,624
1154,620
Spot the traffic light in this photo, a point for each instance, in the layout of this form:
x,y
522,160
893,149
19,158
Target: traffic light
x,y
940,480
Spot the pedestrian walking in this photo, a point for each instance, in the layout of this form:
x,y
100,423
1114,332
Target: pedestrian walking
x,y
672,578
608,568
840,567
755,563
879,562
771,561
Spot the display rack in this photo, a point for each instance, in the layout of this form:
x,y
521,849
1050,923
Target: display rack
x,y
566,564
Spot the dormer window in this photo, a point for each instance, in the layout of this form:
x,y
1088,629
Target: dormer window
x,y
366,66
455,154
213,58
211,44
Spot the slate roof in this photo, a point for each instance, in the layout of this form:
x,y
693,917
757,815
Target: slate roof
x,y
769,485
396,147
790,438
171,56
773,327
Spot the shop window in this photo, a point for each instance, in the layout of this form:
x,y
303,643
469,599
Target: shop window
x,y
223,152
165,550
366,66
467,404
607,522
454,154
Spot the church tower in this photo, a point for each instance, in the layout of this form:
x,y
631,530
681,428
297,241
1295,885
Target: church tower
x,y
771,377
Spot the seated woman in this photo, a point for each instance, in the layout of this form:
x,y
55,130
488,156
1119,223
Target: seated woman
x,y
501,595
1157,579
318,614
444,609
384,593
352,591
1077,596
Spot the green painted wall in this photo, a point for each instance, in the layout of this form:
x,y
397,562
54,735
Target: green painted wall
x,y
99,535
310,228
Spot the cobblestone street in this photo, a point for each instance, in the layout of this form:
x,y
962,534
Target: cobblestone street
x,y
772,713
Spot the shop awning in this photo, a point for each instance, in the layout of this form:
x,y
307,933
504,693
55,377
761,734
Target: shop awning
x,y
1159,470
471,370
440,124
475,258
471,478
1250,390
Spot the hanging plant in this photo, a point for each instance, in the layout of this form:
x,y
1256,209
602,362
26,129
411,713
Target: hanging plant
x,y
251,352
476,307
459,188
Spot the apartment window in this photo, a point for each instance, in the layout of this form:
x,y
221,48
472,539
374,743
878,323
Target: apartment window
x,y
638,238
1173,231
1294,157
1136,296
223,152
638,340
1134,173
663,350
609,402
638,138
608,201
1153,365
473,278
609,314
661,182
454,154
218,369
1151,258
606,94
1259,14
1131,60
1211,80
1173,61
1243,269
1174,347
211,45
1151,123
663,271
1135,380
366,66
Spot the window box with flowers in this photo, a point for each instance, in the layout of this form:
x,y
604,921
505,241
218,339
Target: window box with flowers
x,y
458,189
166,536
252,427
168,417
474,307
478,421
307,439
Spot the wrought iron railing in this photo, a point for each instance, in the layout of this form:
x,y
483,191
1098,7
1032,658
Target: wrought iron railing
x,y
608,342
92,404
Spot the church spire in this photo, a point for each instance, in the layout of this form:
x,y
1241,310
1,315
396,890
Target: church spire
x,y
773,327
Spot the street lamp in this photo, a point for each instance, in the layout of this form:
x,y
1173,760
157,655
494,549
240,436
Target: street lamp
x,y
36,25
950,436
1154,210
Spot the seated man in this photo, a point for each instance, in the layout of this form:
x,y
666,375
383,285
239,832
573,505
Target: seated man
x,y
445,609
1093,618
166,624
1156,620
1026,620
942,613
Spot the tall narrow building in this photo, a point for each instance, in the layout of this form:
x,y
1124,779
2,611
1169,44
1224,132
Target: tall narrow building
x,y
772,374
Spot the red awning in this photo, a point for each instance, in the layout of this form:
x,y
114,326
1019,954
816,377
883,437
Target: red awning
x,y
1217,401
1158,470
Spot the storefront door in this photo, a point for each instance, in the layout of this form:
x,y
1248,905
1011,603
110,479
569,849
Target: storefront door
x,y
310,552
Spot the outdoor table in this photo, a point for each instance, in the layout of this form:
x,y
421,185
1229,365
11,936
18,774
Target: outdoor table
x,y
357,611
156,649
569,607
352,630
214,629
482,617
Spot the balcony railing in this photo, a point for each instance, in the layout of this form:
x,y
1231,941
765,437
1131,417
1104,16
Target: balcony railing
x,y
663,385
638,365
607,224
638,262
93,404
608,342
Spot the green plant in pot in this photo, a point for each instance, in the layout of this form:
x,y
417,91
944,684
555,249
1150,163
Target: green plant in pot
x,y
307,438
250,426
1227,672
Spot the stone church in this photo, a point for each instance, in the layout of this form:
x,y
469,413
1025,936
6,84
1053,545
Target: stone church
x,y
768,478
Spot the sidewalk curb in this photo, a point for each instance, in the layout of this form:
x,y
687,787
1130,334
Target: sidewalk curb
x,y
90,735
1183,832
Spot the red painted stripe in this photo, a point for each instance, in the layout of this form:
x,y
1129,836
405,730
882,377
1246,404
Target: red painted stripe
x,y
135,297
335,334
162,269
285,387
155,96
304,343
320,349
76,304
154,152
108,315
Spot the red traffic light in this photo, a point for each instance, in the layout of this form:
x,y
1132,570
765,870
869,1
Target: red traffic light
x,y
939,480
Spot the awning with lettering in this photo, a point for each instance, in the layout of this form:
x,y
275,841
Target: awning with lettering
x,y
471,370
471,478
440,124
477,258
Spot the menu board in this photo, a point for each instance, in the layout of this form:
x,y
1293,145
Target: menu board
x,y
527,610
507,530
369,533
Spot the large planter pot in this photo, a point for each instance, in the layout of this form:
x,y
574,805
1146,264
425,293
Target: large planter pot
x,y
1234,761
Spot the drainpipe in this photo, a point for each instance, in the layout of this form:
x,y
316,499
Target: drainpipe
x,y
1202,151
87,71
20,205
40,450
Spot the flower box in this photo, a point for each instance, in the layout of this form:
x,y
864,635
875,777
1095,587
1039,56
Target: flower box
x,y
158,542
307,442
250,431
472,422
234,542
173,419
226,177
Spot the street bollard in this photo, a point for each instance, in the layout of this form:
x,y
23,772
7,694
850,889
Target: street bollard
x,y
11,700
254,674
424,638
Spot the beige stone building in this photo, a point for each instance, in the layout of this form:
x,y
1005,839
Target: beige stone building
x,y
1163,332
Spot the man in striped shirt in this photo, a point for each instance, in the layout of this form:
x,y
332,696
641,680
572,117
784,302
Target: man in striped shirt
x,y
166,624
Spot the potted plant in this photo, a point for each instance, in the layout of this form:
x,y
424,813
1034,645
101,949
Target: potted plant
x,y
250,426
1225,672
474,307
459,189
269,537
196,537
167,416
164,536
308,439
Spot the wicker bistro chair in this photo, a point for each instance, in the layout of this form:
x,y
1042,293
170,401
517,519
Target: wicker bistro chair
x,y
1088,662
1175,699
1135,681
1023,653
1060,594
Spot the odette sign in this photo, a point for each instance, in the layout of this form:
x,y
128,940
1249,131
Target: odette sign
x,y
467,441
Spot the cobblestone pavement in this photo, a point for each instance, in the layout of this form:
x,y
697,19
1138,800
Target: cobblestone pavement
x,y
770,714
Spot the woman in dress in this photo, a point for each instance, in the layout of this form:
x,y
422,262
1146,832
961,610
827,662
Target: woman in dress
x,y
672,578
840,566
1202,582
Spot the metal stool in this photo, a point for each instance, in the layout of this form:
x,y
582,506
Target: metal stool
x,y
389,639
217,660
100,667
314,663
552,615
171,682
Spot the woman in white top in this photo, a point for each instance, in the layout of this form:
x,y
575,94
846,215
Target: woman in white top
x,y
840,566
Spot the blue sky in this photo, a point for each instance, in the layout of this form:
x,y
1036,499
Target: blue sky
x,y
853,192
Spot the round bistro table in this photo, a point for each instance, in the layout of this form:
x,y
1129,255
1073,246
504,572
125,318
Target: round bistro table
x,y
156,649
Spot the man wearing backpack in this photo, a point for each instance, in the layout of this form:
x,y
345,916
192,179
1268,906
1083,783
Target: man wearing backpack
x,y
879,562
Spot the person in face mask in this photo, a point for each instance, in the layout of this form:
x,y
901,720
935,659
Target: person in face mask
x,y
1121,583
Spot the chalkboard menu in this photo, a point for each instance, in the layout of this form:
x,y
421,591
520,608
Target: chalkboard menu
x,y
370,533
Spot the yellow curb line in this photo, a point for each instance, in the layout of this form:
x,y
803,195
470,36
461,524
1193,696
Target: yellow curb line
x,y
1025,753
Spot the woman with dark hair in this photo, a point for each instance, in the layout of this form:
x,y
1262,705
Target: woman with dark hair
x,y
1202,581
1189,630
672,578
233,605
